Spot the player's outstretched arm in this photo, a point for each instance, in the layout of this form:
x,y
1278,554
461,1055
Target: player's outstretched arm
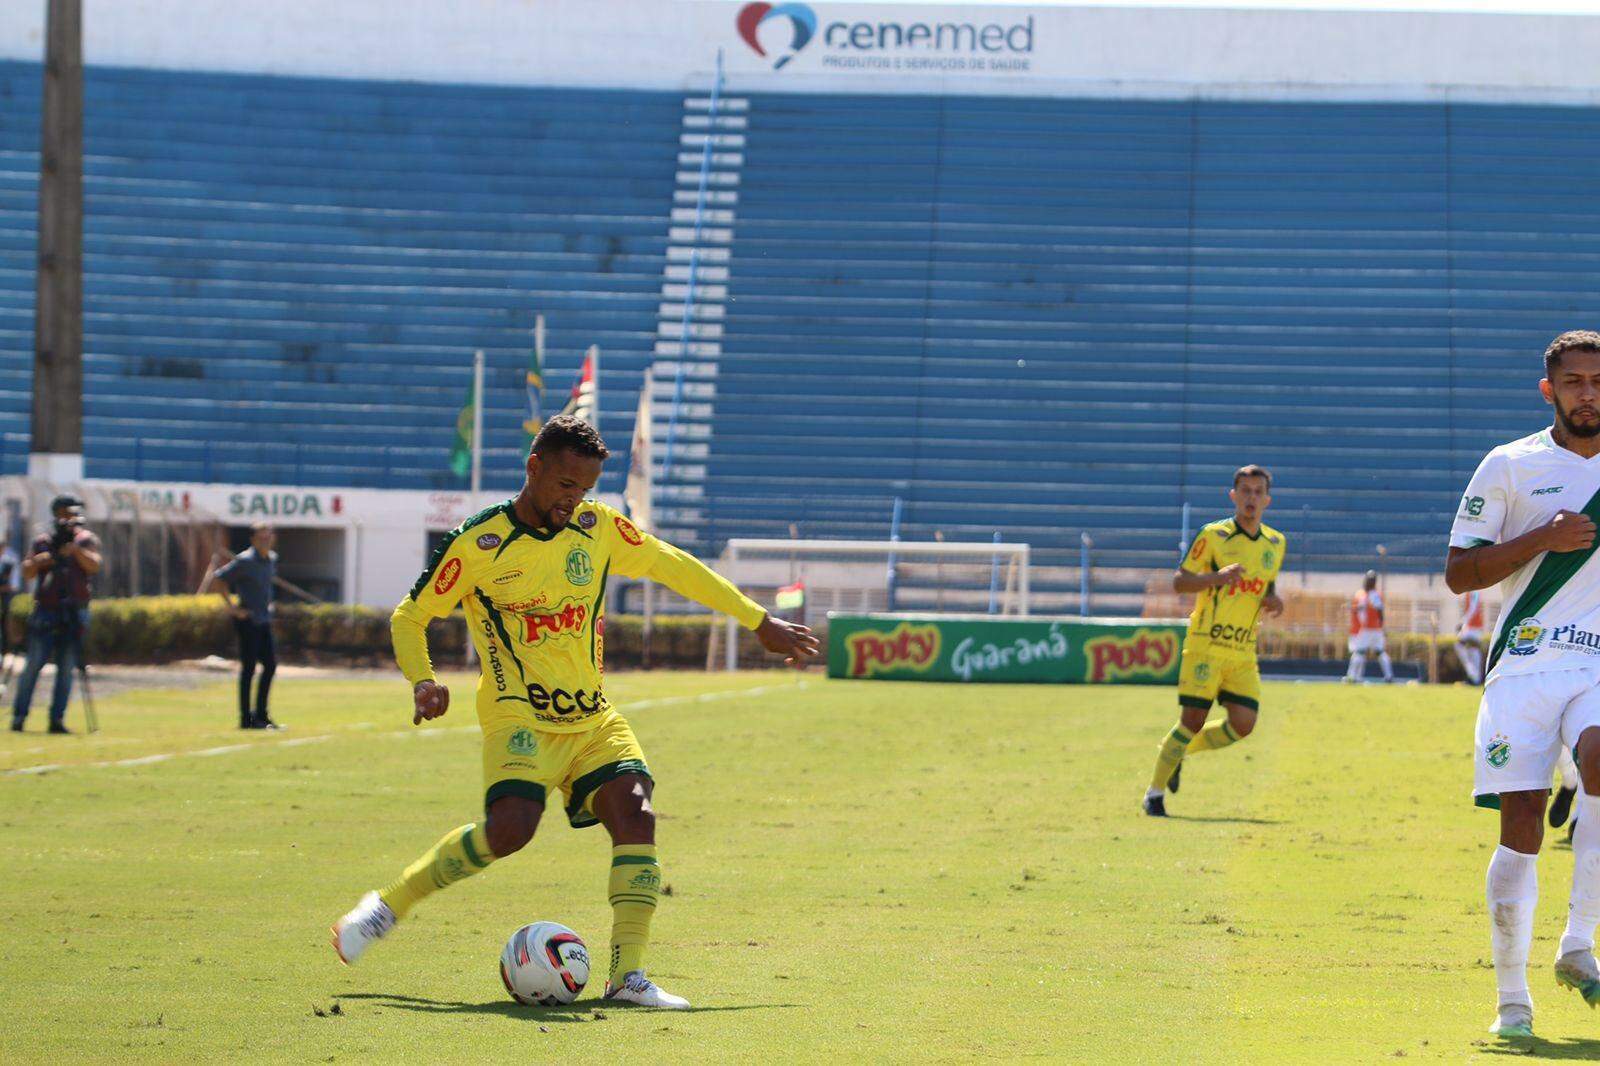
x,y
694,580
1467,569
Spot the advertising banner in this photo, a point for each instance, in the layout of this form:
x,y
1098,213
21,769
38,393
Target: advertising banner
x,y
901,647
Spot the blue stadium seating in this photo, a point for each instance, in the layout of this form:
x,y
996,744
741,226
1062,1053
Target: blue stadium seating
x,y
285,279
1037,316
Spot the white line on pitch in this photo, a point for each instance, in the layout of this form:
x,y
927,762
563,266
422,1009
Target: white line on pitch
x,y
225,749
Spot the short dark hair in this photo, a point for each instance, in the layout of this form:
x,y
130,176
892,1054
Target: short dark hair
x,y
1252,470
1573,340
570,433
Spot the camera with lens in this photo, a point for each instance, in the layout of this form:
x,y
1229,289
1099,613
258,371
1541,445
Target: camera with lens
x,y
64,533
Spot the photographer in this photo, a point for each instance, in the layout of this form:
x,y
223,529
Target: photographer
x,y
63,561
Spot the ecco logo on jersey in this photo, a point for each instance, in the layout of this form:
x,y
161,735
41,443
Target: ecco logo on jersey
x,y
561,701
565,620
1231,634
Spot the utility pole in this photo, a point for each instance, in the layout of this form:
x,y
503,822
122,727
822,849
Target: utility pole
x,y
57,447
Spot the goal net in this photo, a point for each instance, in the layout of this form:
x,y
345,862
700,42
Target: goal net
x,y
865,576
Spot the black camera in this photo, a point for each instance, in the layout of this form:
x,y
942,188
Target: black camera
x,y
66,530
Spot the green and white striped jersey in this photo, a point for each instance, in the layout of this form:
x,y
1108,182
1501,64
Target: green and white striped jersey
x,y
1550,613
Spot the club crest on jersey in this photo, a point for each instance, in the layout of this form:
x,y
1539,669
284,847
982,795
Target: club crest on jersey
x,y
1202,671
580,568
489,541
1497,751
522,742
586,520
1526,636
1266,558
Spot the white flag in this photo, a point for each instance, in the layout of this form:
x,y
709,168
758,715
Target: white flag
x,y
638,491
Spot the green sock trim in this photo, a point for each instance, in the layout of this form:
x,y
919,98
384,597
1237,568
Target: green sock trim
x,y
1179,735
472,852
1227,727
631,860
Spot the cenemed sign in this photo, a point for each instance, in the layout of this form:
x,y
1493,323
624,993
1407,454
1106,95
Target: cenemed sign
x,y
953,37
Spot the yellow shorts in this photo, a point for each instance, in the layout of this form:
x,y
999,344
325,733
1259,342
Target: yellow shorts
x,y
519,760
1205,678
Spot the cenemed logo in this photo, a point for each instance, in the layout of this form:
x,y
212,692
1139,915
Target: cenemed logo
x,y
801,18
862,44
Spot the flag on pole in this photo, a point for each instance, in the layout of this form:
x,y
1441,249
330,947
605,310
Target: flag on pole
x,y
792,597
461,451
638,491
530,419
584,393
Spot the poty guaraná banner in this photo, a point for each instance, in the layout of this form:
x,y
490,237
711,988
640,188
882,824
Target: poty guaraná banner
x,y
901,647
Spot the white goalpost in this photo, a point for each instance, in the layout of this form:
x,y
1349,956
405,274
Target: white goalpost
x,y
878,576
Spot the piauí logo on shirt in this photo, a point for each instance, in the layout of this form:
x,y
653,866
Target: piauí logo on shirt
x,y
1526,636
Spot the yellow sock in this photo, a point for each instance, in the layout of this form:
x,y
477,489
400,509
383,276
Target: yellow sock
x,y
1170,755
462,853
635,884
1214,736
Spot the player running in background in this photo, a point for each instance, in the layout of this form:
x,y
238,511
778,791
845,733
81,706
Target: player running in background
x,y
530,574
1527,522
1469,637
1233,568
1366,631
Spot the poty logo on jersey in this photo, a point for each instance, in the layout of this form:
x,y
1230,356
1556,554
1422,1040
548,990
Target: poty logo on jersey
x,y
1254,586
802,20
905,647
568,619
1147,654
1526,636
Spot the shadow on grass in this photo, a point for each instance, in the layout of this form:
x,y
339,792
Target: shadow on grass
x,y
582,1011
1577,1048
1213,818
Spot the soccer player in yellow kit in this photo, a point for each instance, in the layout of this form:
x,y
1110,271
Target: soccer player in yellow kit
x,y
1233,568
531,574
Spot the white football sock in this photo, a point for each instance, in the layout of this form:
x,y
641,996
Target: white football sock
x,y
1388,667
1358,665
1153,793
1512,891
1568,768
1583,910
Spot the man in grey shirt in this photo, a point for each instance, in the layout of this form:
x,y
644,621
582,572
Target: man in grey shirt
x,y
250,575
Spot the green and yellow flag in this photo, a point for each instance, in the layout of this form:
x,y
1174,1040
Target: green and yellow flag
x,y
461,451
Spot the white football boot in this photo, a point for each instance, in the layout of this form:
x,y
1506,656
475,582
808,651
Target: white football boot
x,y
356,931
638,989
1513,1021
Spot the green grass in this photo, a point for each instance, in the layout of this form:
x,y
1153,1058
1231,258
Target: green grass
x,y
859,872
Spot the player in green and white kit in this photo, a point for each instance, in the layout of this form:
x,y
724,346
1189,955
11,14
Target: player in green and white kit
x,y
1527,523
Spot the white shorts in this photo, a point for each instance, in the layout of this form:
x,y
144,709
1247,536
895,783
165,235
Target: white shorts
x,y
1524,720
1367,640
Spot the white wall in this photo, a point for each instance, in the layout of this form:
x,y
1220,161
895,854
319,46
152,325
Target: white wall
x,y
671,44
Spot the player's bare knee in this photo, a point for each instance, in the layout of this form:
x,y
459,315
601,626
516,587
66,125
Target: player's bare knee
x,y
624,807
512,821
1587,758
1241,720
1194,718
1522,820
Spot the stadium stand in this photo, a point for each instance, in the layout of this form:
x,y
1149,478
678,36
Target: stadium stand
x,y
285,279
1037,316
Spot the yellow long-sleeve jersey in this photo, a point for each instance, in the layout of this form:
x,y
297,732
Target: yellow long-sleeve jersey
x,y
535,601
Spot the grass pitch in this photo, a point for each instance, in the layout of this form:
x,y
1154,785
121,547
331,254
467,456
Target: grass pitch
x,y
858,871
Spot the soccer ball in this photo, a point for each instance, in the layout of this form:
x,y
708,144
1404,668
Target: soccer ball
x,y
544,963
